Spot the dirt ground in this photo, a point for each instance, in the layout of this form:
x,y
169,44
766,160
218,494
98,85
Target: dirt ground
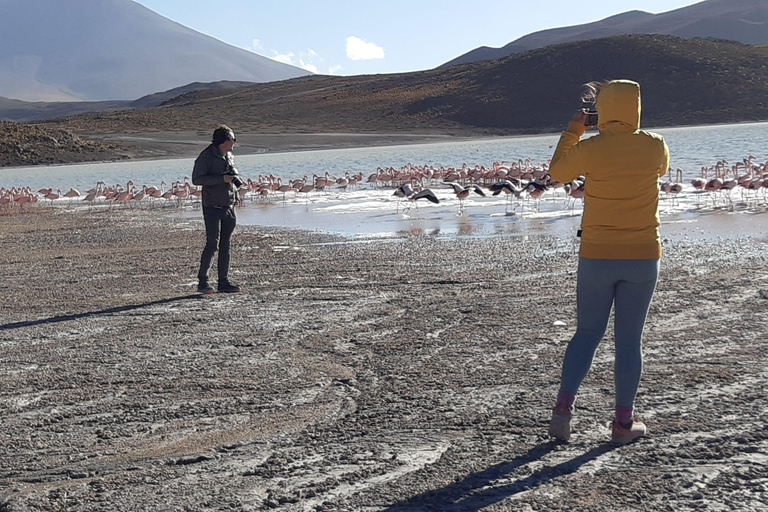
x,y
407,375
187,144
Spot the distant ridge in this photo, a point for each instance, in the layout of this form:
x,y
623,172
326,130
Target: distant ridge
x,y
745,21
684,82
25,111
104,50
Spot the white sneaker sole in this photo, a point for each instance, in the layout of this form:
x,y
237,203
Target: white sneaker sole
x,y
560,428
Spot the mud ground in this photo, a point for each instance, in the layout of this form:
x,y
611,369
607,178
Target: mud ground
x,y
409,375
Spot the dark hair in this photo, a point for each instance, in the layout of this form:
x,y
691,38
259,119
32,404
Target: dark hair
x,y
222,134
591,90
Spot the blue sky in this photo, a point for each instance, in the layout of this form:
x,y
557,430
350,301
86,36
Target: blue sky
x,y
353,37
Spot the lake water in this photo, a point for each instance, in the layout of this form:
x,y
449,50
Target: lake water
x,y
373,212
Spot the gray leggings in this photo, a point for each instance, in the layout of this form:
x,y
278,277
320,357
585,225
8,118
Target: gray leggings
x,y
629,284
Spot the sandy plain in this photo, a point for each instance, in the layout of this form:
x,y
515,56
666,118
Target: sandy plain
x,y
188,144
402,375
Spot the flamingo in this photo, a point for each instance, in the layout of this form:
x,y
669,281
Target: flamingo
x,y
323,181
509,188
306,189
5,202
405,191
462,192
91,197
125,196
343,183
425,194
283,188
181,192
23,199
52,196
168,196
139,197
714,185
676,187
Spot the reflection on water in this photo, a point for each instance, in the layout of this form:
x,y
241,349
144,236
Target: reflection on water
x,y
465,227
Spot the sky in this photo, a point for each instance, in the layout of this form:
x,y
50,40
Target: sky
x,y
355,37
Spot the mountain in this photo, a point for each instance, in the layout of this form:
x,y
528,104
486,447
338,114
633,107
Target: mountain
x,y
86,50
27,111
745,21
684,82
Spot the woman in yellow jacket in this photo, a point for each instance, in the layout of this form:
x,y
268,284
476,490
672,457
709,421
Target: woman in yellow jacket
x,y
620,246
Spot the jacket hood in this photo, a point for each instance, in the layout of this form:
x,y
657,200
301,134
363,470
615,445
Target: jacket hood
x,y
619,102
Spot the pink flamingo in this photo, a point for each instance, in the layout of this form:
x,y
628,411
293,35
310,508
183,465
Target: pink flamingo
x,y
125,196
181,193
283,188
139,197
714,184
52,196
91,197
306,189
462,192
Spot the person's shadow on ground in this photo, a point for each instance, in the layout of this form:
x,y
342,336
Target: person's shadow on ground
x,y
477,491
110,311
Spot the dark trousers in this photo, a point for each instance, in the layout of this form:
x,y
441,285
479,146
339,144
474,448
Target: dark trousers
x,y
219,225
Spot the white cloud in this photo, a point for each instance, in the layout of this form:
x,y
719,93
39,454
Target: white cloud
x,y
285,58
334,69
303,60
256,46
357,49
308,66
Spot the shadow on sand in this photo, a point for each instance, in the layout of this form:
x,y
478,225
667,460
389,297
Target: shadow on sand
x,y
477,490
110,311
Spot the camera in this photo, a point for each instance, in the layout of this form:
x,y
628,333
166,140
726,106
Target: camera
x,y
589,94
235,178
591,119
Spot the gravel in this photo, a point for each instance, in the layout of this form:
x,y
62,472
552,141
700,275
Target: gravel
x,y
407,375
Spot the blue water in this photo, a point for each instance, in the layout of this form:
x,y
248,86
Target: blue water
x,y
367,211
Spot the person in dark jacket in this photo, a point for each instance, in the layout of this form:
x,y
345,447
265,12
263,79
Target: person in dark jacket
x,y
215,171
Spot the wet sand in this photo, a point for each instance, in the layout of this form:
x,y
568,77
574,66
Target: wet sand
x,y
186,144
409,374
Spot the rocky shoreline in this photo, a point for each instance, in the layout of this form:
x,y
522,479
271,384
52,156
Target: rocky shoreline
x,y
408,375
24,144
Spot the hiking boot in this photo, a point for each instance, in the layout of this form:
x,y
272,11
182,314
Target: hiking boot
x,y
227,287
560,426
205,288
623,433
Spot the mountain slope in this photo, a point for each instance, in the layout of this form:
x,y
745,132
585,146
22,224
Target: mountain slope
x,y
112,50
684,81
26,111
745,21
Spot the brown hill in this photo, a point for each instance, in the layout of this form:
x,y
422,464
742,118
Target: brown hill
x,y
38,145
685,81
745,21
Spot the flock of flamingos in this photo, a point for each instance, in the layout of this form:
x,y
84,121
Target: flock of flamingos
x,y
521,180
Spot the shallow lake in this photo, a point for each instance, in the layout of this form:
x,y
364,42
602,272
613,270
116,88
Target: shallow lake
x,y
367,211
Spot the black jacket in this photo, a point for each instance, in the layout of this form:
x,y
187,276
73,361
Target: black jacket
x,y
210,168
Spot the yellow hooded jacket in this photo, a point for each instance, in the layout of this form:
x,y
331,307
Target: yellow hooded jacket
x,y
622,165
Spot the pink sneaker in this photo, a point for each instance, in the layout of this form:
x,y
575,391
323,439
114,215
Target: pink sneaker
x,y
560,426
628,432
